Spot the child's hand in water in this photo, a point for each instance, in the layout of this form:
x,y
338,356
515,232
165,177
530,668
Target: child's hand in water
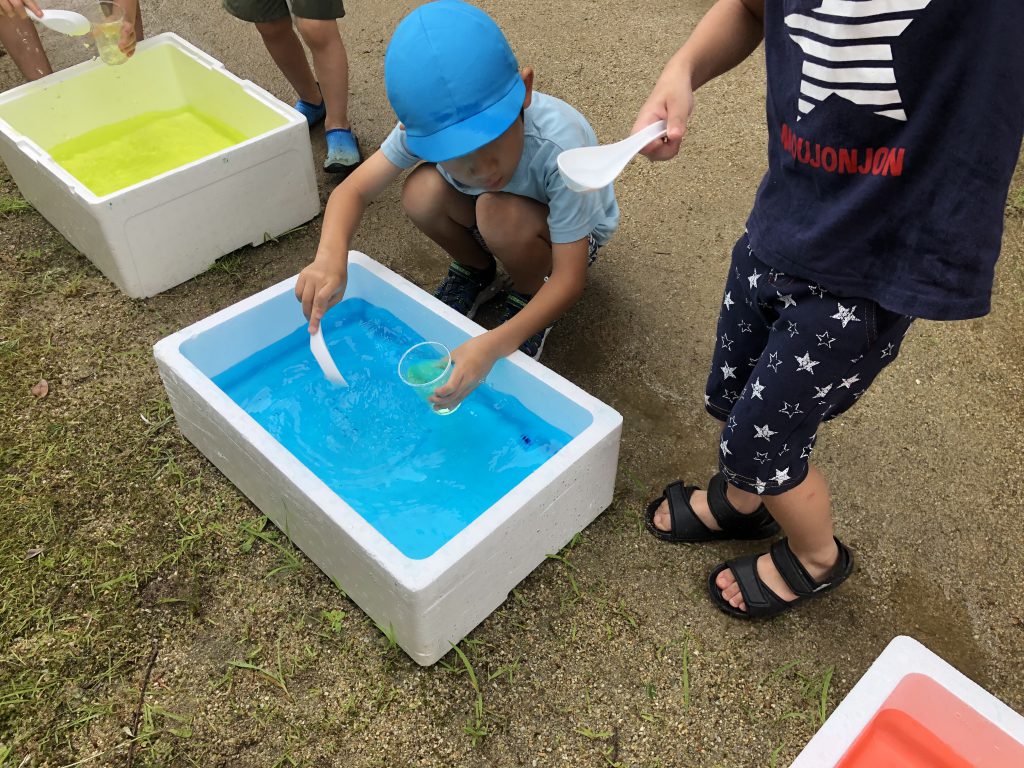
x,y
471,362
319,287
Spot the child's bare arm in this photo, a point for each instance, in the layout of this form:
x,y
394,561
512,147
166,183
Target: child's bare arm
x,y
321,285
475,358
727,34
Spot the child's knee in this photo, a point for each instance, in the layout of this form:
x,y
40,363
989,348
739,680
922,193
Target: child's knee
x,y
506,220
275,30
421,194
318,33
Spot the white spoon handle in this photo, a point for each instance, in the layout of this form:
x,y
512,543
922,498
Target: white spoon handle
x,y
645,136
318,345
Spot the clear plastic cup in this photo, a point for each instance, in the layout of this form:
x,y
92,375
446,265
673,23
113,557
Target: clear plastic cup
x,y
109,31
424,367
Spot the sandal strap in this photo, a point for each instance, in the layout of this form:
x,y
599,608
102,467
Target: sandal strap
x,y
797,577
729,519
678,497
791,569
760,599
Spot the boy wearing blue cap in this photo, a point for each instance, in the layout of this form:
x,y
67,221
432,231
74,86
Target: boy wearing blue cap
x,y
487,186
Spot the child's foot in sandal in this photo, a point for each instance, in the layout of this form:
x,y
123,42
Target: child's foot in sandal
x,y
687,514
765,585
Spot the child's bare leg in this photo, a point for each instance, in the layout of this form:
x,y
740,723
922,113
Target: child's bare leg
x,y
20,39
805,514
331,64
515,228
287,52
444,215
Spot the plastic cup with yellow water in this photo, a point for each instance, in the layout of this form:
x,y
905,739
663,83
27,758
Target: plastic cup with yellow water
x,y
424,367
109,31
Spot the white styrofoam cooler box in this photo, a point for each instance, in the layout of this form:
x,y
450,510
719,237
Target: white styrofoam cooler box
x,y
429,603
158,233
903,656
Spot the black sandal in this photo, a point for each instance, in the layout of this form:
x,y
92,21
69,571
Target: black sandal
x,y
687,528
761,602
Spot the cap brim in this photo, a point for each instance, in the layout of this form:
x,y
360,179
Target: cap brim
x,y
473,132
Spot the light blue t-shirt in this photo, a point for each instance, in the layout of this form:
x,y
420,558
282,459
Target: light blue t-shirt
x,y
551,126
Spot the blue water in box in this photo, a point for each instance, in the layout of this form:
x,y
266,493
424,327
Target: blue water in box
x,y
417,477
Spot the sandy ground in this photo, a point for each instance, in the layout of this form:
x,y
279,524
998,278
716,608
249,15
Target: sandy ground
x,y
142,543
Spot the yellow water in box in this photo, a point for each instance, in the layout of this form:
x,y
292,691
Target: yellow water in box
x,y
111,127
121,154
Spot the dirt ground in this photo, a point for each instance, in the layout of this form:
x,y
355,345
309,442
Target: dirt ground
x,y
129,565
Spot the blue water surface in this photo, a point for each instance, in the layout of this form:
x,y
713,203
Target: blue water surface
x,y
417,477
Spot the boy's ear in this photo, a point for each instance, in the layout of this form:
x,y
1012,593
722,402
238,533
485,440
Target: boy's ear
x,y
527,74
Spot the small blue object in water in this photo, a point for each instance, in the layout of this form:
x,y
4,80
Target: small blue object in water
x,y
417,477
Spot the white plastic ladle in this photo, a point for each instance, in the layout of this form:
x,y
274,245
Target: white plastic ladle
x,y
65,22
318,345
586,169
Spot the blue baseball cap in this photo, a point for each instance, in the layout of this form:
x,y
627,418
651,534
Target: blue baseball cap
x,y
452,79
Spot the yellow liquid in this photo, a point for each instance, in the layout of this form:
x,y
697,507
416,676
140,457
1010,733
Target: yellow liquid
x,y
121,154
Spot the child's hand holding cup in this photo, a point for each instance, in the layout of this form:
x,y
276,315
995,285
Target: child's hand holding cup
x,y
424,367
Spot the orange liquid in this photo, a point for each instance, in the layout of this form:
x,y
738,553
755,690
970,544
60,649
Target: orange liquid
x,y
904,733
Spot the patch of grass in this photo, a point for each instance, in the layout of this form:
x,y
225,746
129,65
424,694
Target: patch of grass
x,y
31,256
574,587
641,491
9,346
269,238
822,694
685,677
157,722
389,635
231,264
505,670
813,690
622,611
274,673
474,727
256,530
333,619
773,758
13,204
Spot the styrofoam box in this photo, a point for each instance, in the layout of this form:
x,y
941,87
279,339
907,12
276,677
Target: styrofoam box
x,y
903,656
429,603
160,232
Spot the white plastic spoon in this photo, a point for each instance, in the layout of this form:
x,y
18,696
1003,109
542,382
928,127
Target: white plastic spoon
x,y
65,22
318,345
586,169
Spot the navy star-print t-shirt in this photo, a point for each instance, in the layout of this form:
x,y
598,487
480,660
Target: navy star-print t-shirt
x,y
894,127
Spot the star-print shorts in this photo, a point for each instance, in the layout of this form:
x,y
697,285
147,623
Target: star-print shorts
x,y
789,355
